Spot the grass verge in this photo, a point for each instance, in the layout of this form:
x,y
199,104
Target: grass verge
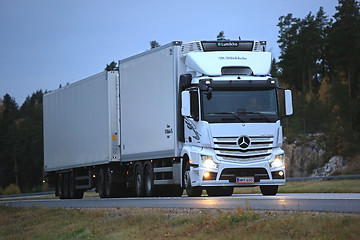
x,y
136,223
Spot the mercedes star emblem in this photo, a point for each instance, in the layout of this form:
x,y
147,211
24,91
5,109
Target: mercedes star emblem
x,y
244,142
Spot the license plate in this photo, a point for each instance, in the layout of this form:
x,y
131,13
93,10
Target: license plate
x,y
245,180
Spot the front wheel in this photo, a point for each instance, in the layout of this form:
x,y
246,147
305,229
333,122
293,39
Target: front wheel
x,y
190,190
269,190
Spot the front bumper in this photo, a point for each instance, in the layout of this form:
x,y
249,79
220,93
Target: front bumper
x,y
226,172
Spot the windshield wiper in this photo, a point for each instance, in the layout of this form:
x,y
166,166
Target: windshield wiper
x,y
232,113
259,113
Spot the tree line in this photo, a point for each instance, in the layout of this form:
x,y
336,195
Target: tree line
x,y
21,141
319,61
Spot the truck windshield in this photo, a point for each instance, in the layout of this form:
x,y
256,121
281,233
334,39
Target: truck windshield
x,y
240,106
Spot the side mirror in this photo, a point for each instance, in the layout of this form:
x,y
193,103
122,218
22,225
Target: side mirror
x,y
288,103
185,104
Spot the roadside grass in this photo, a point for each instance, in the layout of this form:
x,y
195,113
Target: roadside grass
x,y
137,223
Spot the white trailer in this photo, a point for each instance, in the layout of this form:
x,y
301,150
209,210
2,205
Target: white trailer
x,y
176,117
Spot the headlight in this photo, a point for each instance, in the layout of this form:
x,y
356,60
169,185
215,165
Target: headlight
x,y
208,161
278,161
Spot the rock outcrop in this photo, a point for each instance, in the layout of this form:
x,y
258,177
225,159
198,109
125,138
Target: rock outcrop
x,y
302,157
336,164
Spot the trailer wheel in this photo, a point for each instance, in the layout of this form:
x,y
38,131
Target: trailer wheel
x,y
149,179
60,186
220,191
139,180
74,193
101,183
111,189
66,186
269,190
191,191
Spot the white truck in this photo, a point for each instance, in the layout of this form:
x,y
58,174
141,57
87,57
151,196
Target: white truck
x,y
201,115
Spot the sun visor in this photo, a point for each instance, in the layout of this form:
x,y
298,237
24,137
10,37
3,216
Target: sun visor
x,y
211,63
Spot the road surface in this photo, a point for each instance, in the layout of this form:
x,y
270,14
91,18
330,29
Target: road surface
x,y
324,202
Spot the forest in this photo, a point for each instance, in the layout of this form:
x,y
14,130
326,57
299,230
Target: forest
x,y
319,62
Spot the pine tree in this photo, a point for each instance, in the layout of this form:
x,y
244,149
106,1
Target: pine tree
x,y
154,44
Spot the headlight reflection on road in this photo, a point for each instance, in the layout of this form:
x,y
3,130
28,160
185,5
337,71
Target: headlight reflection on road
x,y
283,203
210,202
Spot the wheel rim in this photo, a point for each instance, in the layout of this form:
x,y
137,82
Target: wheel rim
x,y
138,183
107,183
148,183
187,180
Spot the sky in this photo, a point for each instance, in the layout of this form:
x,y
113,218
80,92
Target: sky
x,y
45,43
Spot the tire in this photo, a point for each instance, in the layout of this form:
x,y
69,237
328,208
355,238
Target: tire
x,y
148,180
66,186
101,183
139,180
191,191
220,191
60,186
111,189
269,190
74,193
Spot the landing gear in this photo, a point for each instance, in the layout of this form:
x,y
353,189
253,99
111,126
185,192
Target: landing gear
x,y
269,190
73,192
66,188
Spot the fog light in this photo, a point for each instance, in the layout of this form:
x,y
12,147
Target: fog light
x,y
206,174
281,173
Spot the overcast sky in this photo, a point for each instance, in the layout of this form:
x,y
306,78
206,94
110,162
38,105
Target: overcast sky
x,y
44,43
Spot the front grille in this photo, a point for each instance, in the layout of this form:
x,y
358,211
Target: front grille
x,y
228,149
231,173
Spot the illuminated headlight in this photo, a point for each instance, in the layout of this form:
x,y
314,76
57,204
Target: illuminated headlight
x,y
208,161
278,161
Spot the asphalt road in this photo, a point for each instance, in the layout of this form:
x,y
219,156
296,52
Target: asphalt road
x,y
324,202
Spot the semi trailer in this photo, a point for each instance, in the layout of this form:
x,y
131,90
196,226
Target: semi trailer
x,y
201,115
